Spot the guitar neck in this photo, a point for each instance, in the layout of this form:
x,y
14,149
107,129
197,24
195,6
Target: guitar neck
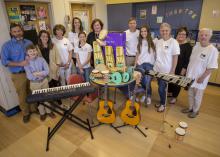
x,y
134,94
106,94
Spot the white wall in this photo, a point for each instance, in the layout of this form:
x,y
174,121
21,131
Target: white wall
x,y
60,8
3,25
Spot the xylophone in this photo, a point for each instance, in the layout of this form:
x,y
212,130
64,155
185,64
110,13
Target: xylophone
x,y
178,80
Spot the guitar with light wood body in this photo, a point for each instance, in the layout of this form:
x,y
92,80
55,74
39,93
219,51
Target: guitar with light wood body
x,y
106,113
131,113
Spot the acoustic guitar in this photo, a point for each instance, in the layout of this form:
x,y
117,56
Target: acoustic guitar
x,y
131,113
106,113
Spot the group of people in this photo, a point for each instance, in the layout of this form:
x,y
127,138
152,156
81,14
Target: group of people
x,y
172,56
51,62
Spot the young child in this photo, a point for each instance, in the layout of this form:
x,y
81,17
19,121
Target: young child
x,y
37,72
145,59
83,56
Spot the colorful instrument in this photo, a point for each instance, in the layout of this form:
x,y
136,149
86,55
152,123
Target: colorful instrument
x,y
131,113
109,57
120,58
98,56
106,113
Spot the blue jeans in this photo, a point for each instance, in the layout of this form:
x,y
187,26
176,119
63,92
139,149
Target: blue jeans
x,y
146,80
162,85
86,73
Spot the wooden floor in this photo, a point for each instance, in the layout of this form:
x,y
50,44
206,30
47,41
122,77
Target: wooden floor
x,y
202,139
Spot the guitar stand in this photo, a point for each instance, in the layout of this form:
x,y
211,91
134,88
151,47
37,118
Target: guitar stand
x,y
136,127
111,125
66,114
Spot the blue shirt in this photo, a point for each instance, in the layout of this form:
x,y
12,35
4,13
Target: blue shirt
x,y
14,51
38,64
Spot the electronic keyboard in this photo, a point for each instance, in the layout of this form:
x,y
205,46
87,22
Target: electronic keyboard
x,y
61,92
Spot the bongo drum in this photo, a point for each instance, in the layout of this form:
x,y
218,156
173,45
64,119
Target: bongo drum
x,y
180,133
183,125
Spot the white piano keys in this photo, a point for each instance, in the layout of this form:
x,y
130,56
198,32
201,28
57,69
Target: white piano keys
x,y
61,88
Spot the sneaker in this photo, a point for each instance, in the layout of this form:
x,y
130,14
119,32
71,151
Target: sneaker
x,y
148,100
161,108
186,110
142,99
131,98
157,105
26,118
173,101
43,117
52,115
193,114
137,100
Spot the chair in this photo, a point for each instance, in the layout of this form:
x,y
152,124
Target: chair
x,y
88,99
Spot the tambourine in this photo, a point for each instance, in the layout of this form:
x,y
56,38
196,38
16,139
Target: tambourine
x,y
116,78
125,77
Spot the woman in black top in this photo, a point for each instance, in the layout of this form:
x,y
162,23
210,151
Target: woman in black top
x,y
183,61
96,26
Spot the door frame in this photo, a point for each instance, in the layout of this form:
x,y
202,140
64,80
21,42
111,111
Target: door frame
x,y
86,3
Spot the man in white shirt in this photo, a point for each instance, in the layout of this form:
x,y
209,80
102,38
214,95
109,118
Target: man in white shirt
x,y
203,60
132,35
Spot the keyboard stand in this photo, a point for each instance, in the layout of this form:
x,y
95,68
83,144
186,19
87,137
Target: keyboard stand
x,y
66,114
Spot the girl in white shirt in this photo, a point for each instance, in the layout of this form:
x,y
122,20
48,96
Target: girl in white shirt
x,y
73,35
167,51
203,60
65,49
76,28
83,56
145,58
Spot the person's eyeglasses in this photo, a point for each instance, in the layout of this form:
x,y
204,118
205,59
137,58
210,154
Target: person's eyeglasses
x,y
182,34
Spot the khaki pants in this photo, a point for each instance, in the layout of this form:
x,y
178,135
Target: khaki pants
x,y
21,85
195,98
41,85
130,61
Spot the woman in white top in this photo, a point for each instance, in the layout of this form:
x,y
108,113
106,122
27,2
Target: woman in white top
x,y
83,56
73,35
167,51
145,58
65,49
203,60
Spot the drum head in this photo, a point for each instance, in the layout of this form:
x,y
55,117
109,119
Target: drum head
x,y
183,124
180,131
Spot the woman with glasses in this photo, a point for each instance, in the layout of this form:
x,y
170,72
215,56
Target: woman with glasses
x,y
183,61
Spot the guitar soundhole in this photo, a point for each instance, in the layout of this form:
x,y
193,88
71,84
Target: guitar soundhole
x,y
133,109
109,111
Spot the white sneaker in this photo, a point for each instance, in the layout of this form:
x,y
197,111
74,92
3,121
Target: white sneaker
x,y
137,100
161,108
142,99
131,98
173,101
148,100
